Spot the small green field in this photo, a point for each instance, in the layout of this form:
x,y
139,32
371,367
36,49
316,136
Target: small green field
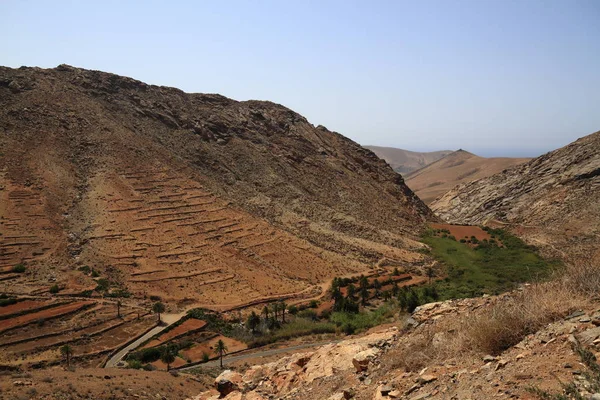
x,y
473,270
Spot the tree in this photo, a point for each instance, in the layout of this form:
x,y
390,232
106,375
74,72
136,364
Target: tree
x,y
396,272
119,304
67,353
169,354
351,292
282,308
253,321
377,286
265,311
430,273
412,301
364,295
221,350
158,308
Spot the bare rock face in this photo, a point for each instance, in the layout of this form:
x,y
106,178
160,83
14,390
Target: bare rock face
x,y
553,200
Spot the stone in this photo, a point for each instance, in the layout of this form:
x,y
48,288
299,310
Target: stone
x,y
588,336
234,396
362,360
385,390
426,378
228,382
595,396
585,319
489,358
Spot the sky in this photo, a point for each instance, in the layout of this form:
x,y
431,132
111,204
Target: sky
x,y
495,77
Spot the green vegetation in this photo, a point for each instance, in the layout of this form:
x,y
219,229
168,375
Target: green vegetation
x,y
296,328
350,322
19,268
487,267
6,301
54,289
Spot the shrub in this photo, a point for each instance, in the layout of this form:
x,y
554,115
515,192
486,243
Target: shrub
x,y
293,310
205,357
296,328
85,269
308,314
155,298
54,289
7,301
19,268
313,304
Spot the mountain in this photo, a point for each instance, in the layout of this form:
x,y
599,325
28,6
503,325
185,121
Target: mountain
x,y
405,161
455,168
553,200
194,198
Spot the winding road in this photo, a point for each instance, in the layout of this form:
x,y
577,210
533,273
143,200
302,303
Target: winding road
x,y
265,353
167,319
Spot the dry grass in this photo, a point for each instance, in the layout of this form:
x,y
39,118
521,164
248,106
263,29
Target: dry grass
x,y
509,320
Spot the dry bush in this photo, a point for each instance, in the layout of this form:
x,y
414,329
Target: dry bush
x,y
583,276
507,322
493,329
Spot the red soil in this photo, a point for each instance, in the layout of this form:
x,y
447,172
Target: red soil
x,y
45,314
21,306
189,326
464,231
196,352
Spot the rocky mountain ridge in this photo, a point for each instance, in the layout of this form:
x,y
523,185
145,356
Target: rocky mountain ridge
x,y
435,179
554,200
162,190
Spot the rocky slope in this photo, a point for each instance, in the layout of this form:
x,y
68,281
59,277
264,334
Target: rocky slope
x,y
405,161
191,197
458,167
553,200
377,365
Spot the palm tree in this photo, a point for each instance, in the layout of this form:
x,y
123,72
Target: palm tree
x,y
168,355
282,307
265,311
158,308
119,304
430,273
253,321
67,352
220,350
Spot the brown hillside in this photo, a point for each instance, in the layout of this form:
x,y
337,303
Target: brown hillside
x,y
192,197
458,167
405,161
551,200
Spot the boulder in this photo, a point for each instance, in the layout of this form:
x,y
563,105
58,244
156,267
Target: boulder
x,y
229,381
362,360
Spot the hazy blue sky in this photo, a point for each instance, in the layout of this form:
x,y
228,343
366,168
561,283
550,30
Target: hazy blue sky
x,y
493,77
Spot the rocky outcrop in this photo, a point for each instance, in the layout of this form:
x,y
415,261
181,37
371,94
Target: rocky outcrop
x,y
290,374
551,200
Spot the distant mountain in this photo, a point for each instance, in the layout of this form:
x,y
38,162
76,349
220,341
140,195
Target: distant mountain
x,y
405,161
552,200
455,168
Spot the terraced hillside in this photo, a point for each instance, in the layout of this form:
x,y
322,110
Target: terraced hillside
x,y
115,187
32,331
